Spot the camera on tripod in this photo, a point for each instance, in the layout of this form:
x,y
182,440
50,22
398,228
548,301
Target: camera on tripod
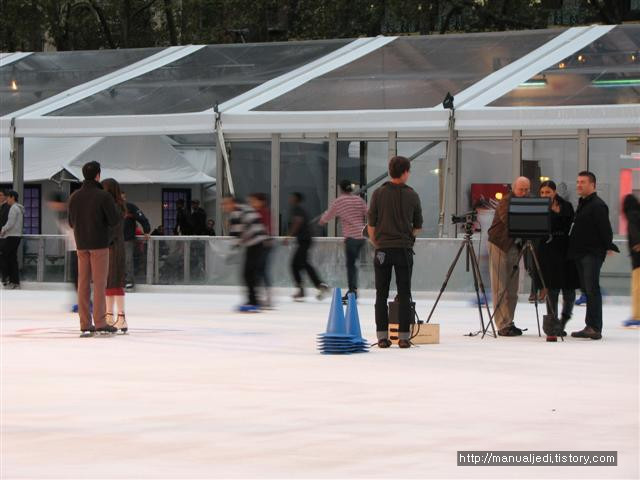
x,y
467,220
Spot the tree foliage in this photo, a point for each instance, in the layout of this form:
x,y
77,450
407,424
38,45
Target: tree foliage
x,y
33,25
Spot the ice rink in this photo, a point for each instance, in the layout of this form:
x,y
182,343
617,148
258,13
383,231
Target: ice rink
x,y
198,391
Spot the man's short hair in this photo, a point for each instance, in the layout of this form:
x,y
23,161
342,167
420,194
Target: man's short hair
x,y
13,194
398,165
90,170
587,173
298,196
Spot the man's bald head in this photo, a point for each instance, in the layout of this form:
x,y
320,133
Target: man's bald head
x,y
521,187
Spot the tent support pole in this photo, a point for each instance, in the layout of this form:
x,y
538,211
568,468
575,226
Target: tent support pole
x,y
17,160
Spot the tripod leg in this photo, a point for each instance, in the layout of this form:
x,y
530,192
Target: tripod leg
x,y
446,281
479,283
551,308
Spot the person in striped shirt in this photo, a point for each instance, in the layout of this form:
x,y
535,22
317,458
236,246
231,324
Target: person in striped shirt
x,y
352,211
245,224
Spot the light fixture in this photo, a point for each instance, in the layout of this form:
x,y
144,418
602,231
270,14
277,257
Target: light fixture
x,y
544,179
582,58
498,195
616,82
561,65
14,86
436,171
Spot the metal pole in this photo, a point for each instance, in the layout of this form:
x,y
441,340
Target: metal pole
x,y
16,154
275,184
333,178
451,145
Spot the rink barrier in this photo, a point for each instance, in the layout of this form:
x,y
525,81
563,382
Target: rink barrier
x,y
176,260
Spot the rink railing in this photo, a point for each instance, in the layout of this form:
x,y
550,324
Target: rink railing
x,y
165,260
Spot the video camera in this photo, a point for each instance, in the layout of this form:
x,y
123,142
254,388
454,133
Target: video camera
x,y
465,218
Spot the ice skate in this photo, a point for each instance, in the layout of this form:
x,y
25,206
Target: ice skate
x,y
87,332
121,323
107,330
323,290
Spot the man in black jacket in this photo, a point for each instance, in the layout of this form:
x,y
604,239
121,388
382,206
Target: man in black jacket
x,y
395,218
92,212
133,216
4,216
589,239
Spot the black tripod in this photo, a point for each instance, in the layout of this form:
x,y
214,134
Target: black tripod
x,y
467,245
529,248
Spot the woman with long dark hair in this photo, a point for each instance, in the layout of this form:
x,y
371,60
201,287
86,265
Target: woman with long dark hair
x,y
558,271
117,266
631,209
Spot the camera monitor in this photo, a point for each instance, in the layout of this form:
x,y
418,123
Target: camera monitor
x,y
529,217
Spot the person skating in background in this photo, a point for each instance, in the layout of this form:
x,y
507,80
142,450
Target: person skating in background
x,y
11,233
158,231
258,202
92,212
300,229
133,217
4,216
352,212
395,218
558,271
183,219
245,224
590,237
211,228
198,218
117,262
631,210
57,202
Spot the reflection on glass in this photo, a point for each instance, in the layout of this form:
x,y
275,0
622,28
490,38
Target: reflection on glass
x,y
605,72
617,174
484,165
304,168
555,160
250,168
427,173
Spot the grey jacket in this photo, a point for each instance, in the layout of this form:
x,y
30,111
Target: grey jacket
x,y
13,227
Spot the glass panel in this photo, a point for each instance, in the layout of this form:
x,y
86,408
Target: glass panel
x,y
412,72
250,167
30,247
555,160
606,72
361,162
617,174
304,168
485,166
42,75
426,179
215,73
54,259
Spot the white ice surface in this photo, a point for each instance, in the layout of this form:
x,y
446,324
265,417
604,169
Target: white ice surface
x,y
197,391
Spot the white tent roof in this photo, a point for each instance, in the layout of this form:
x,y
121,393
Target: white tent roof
x,y
45,157
130,160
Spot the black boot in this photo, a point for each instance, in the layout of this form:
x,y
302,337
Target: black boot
x,y
384,343
107,329
88,331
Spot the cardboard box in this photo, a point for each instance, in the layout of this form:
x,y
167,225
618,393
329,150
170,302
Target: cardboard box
x,y
425,333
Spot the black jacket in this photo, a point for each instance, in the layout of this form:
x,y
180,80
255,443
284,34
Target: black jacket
x,y
591,233
134,215
199,221
557,270
633,234
92,212
4,213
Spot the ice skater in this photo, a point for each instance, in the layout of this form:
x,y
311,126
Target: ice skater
x,y
631,209
352,211
299,228
92,212
258,202
246,225
117,261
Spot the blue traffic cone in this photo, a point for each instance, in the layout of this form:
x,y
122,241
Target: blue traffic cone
x,y
353,319
336,324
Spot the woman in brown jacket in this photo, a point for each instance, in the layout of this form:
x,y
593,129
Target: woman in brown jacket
x,y
117,269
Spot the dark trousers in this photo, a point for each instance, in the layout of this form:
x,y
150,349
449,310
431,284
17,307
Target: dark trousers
x,y
253,264
352,248
73,267
568,298
387,260
589,272
300,262
10,269
264,274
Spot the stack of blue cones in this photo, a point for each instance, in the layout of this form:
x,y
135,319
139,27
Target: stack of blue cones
x,y
343,335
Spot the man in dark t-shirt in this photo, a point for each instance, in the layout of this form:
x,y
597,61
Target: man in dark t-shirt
x,y
299,228
395,218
